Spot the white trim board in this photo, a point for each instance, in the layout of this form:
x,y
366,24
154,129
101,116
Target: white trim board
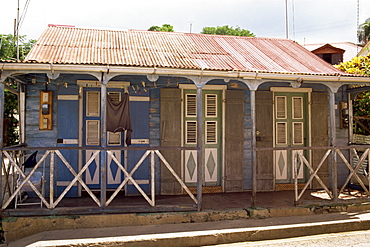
x,y
290,90
110,84
206,87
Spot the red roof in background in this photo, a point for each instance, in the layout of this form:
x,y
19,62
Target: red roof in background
x,y
69,45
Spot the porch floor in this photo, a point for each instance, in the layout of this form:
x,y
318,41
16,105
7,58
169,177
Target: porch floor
x,y
216,201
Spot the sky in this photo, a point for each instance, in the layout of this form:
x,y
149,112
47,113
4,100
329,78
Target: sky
x,y
309,21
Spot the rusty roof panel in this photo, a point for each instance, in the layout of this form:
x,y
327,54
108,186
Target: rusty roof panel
x,y
69,45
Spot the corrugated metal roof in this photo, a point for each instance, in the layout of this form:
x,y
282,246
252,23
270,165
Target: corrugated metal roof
x,y
69,45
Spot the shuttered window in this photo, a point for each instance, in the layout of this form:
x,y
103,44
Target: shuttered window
x,y
191,132
211,134
211,105
114,139
281,109
92,132
298,133
115,96
92,104
281,133
191,105
297,108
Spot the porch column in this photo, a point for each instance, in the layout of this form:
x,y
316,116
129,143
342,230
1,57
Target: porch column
x,y
254,154
1,134
103,154
333,143
253,85
199,144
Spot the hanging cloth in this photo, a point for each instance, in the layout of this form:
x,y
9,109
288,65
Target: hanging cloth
x,y
118,116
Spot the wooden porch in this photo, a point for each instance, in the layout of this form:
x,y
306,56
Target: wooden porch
x,y
105,201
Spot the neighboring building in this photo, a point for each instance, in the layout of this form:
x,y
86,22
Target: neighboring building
x,y
249,94
334,53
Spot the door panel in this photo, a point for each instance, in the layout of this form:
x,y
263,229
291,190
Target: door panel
x,y
67,121
212,138
265,139
234,142
139,112
170,131
291,114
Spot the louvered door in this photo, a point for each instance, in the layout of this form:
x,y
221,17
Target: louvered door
x,y
291,129
212,126
92,138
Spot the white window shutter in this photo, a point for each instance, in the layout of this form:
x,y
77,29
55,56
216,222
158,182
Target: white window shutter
x,y
115,96
211,134
211,105
92,104
92,132
298,133
297,108
114,138
281,133
191,105
281,112
191,132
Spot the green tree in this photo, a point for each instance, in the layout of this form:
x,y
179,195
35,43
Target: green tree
x,y
361,105
8,51
226,30
163,28
8,48
363,32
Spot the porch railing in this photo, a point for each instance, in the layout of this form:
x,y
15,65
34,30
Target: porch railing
x,y
331,156
331,153
12,171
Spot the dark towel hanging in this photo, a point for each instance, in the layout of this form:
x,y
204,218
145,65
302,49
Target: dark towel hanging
x,y
118,116
31,161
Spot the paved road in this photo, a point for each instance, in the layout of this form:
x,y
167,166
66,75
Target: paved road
x,y
356,238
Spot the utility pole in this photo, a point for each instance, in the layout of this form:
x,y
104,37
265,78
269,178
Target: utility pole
x,y
286,20
16,30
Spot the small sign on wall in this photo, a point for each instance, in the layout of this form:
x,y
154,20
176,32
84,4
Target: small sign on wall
x,y
46,110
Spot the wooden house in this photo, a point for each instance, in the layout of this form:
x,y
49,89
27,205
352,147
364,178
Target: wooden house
x,y
335,52
209,114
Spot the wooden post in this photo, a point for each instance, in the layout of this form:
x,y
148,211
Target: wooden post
x,y
199,145
333,143
103,153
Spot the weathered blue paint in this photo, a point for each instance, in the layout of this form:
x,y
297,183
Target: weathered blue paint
x,y
67,128
139,113
154,132
150,124
247,180
34,136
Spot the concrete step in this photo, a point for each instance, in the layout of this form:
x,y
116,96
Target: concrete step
x,y
205,233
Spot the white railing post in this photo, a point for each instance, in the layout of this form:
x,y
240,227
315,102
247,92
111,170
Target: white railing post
x,y
152,176
295,168
51,182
